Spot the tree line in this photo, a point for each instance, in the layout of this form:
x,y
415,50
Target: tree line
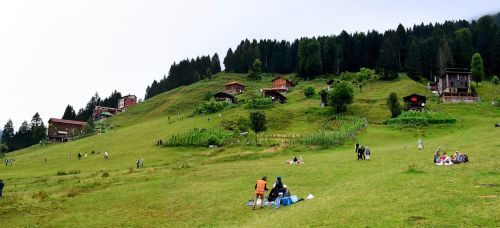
x,y
85,113
185,72
422,51
27,135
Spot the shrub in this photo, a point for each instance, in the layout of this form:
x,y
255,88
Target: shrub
x,y
309,92
207,96
495,80
341,96
105,174
258,121
393,103
211,107
416,118
61,173
256,71
260,103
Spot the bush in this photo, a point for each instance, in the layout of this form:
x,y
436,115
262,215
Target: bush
x,y
61,173
211,107
341,96
258,121
309,92
416,118
105,174
207,96
393,103
260,103
495,80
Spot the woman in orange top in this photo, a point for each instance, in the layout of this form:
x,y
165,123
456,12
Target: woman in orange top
x,y
260,190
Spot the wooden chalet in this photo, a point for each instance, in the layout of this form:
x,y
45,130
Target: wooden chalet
x,y
223,96
275,95
455,86
415,102
127,101
234,87
281,82
61,130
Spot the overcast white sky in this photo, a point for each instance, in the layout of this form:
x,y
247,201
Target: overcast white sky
x,y
54,53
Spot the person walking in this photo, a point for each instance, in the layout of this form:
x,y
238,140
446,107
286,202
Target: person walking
x,y
278,185
260,190
367,153
79,156
142,163
356,147
106,155
6,162
1,187
137,163
420,144
85,156
361,153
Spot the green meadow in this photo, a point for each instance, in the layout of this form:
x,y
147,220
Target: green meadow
x,y
198,186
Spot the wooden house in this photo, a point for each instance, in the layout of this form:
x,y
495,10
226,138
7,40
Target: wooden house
x,y
127,101
455,86
275,95
415,102
61,130
281,82
234,87
223,96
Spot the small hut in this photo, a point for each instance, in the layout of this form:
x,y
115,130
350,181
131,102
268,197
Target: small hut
x,y
223,96
275,95
415,102
234,87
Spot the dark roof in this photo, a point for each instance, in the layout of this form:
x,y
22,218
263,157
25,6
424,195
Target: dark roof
x,y
74,122
223,94
234,83
456,71
274,93
420,97
130,96
279,76
275,89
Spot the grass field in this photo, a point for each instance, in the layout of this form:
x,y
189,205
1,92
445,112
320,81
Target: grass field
x,y
193,186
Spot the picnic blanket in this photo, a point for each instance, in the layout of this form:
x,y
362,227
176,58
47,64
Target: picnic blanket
x,y
293,198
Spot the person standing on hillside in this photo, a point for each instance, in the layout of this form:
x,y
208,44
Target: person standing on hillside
x,y
1,187
367,153
260,190
6,162
105,155
278,185
420,144
356,147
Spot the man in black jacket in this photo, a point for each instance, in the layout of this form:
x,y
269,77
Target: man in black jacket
x,y
1,187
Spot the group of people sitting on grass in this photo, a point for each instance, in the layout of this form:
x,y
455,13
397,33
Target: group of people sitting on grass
x,y
363,152
444,159
278,191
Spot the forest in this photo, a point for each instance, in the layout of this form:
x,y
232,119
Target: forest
x,y
422,51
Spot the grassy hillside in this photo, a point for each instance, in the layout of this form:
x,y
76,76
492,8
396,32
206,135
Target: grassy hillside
x,y
191,186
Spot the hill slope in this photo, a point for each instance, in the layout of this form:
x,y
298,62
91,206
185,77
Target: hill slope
x,y
191,186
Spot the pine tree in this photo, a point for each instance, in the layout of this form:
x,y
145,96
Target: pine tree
x,y
462,48
69,113
309,58
445,57
393,103
38,129
389,57
256,71
208,73
8,135
196,76
215,66
413,63
477,68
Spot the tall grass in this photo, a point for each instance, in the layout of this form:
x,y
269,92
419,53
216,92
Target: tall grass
x,y
199,137
348,126
416,118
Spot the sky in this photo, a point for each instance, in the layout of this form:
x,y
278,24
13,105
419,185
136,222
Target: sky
x,y
59,52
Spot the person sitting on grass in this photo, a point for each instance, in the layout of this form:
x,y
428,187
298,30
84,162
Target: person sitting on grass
x,y
444,160
454,158
260,190
436,155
